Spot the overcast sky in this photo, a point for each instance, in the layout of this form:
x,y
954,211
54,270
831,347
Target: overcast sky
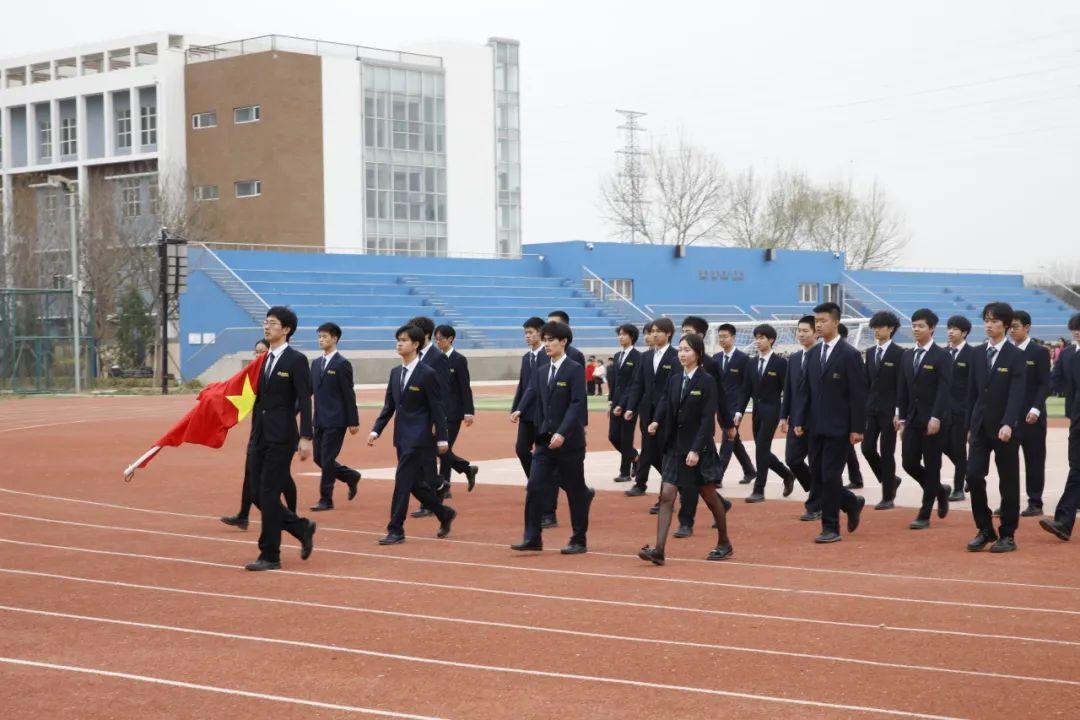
x,y
966,111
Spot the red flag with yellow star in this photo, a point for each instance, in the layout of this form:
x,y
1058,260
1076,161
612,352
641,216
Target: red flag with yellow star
x,y
219,406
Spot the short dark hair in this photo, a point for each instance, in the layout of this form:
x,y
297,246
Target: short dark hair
x,y
1023,316
829,307
331,329
841,330
263,342
411,332
998,311
696,343
630,329
807,320
534,322
426,325
592,357
700,324
766,331
286,317
1074,323
647,327
884,318
561,314
556,331
959,322
664,325
727,327
447,331
927,315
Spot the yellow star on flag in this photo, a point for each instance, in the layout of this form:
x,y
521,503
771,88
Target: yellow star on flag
x,y
245,401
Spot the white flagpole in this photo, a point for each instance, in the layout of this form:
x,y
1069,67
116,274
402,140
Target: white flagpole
x,y
129,471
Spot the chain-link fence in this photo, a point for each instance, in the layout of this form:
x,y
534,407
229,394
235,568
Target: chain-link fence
x,y
37,342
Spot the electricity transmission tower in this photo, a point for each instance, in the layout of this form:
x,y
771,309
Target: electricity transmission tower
x,y
631,172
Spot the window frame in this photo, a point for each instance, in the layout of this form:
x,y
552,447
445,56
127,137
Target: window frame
x,y
200,193
256,112
256,186
196,123
809,292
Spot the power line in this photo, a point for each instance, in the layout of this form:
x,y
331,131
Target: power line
x,y
631,173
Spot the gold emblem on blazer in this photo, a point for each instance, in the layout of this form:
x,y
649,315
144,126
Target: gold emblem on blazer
x,y
561,383
695,392
1003,370
282,373
414,388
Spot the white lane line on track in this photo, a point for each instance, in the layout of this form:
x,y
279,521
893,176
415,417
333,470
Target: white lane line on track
x,y
726,563
213,689
541,629
125,416
493,668
582,573
563,598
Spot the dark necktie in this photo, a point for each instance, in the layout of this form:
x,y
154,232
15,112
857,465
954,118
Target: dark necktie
x,y
325,364
802,361
877,360
918,358
824,357
685,387
532,361
622,355
991,353
268,366
953,352
404,374
761,367
726,359
551,375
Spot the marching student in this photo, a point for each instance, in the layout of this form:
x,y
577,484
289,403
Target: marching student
x,y
882,378
763,383
430,355
639,471
533,358
1061,525
560,316
557,393
1061,376
995,411
796,448
414,396
621,430
961,356
854,472
832,412
335,413
732,363
922,408
459,409
656,366
1032,430
684,425
284,387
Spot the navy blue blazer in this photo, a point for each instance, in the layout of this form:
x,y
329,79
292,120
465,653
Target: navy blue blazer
x,y
437,360
418,408
621,380
649,384
924,394
1072,400
1037,385
731,380
961,383
996,396
561,406
882,381
833,402
765,390
1061,379
335,399
525,377
792,384
459,401
572,353
688,423
286,392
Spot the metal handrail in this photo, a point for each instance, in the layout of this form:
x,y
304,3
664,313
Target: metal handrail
x,y
873,294
1061,285
361,250
235,276
618,294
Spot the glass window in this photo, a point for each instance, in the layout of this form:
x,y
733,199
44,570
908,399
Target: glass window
x,y
808,292
44,140
249,114
832,293
248,188
204,120
148,118
206,192
624,288
123,128
154,195
68,143
130,198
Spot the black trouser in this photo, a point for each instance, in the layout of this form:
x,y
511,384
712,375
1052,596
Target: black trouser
x,y
921,455
735,447
766,419
956,449
247,496
449,461
552,469
1033,445
650,456
854,472
1070,498
795,452
621,437
827,458
269,471
325,448
879,428
1007,460
415,468
526,439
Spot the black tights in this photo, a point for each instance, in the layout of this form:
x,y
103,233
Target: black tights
x,y
668,493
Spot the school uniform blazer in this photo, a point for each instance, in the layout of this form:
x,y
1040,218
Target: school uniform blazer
x,y
335,399
1061,379
724,407
525,376
924,393
1037,385
459,401
765,390
280,397
560,407
688,423
731,381
996,395
833,402
792,383
572,353
621,379
436,359
649,384
961,382
1073,399
418,409
882,381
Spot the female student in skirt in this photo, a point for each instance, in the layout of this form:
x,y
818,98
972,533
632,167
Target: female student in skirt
x,y
684,427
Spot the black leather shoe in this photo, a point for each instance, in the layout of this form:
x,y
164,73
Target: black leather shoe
x,y
524,546
235,521
635,491
720,552
981,540
1032,511
470,476
421,513
320,507
754,498
810,516
261,564
684,531
1056,529
391,539
574,549
957,496
747,479
655,509
919,524
1004,545
444,526
854,515
725,502
885,505
652,555
307,543
354,484
623,478
827,537
854,486
943,503
789,484
549,521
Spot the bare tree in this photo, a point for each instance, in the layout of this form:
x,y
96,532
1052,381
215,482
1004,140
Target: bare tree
x,y
742,222
880,236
